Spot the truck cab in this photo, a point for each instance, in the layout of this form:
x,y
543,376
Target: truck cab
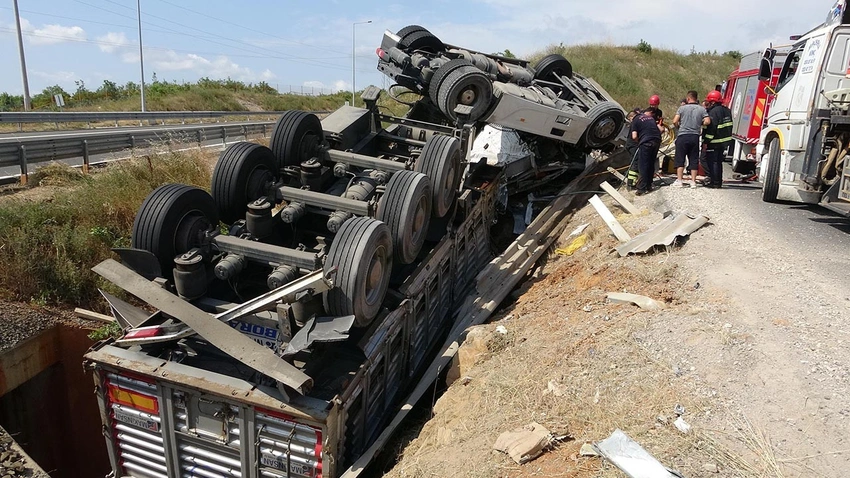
x,y
807,132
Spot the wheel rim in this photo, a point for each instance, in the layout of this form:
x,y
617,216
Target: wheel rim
x,y
467,96
308,147
257,181
189,231
604,128
375,276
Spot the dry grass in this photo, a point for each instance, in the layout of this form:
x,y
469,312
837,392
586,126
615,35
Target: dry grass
x,y
563,330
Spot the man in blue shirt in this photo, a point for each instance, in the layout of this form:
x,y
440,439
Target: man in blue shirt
x,y
645,131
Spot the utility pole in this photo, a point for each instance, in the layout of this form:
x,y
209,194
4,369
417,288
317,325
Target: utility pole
x,y
27,105
354,58
141,53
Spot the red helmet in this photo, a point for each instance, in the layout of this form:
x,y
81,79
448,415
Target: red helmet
x,y
713,96
654,100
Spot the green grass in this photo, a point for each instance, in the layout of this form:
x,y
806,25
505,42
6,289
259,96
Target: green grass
x,y
49,244
632,76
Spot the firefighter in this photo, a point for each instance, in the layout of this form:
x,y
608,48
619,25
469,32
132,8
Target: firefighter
x,y
654,103
645,131
716,137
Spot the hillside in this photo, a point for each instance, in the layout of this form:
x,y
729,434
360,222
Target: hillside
x,y
633,74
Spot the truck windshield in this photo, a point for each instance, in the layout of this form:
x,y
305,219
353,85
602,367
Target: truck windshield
x,y
789,69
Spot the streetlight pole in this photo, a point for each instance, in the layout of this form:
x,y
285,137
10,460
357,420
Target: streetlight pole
x,y
141,53
354,58
23,60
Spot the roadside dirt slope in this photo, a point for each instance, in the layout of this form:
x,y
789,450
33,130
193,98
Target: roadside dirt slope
x,y
756,358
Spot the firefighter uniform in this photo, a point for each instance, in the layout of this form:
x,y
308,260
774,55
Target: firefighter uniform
x,y
716,138
645,131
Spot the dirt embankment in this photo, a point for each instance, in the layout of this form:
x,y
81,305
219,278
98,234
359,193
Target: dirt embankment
x,y
584,367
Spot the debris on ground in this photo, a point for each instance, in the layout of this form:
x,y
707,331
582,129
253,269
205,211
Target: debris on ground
x,y
14,462
641,301
627,455
610,220
525,443
577,244
664,233
682,425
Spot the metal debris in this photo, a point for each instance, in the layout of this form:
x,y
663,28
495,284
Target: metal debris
x,y
319,329
627,455
641,301
663,233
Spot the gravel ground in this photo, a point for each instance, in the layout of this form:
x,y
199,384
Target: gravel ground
x,y
19,322
773,351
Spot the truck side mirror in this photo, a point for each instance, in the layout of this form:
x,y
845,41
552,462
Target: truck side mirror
x,y
769,53
765,69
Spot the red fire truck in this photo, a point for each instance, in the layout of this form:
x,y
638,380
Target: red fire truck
x,y
749,99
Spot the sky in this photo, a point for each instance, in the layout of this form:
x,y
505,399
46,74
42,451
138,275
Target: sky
x,y
298,44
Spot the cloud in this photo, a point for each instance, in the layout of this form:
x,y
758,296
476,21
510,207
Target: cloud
x,y
56,76
52,34
267,75
112,42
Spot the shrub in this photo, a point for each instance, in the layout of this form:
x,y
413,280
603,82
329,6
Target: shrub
x,y
644,47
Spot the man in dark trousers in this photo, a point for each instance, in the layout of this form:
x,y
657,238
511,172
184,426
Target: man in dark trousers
x,y
716,138
645,131
690,118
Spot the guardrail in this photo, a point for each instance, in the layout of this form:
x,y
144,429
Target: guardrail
x,y
24,151
89,117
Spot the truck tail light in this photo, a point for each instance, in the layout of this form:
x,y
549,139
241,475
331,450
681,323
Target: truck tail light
x,y
381,53
133,399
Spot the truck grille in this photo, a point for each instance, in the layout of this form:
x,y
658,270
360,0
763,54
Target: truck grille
x,y
136,426
287,448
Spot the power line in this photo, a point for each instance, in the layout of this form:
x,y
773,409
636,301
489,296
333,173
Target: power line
x,y
247,28
128,45
308,62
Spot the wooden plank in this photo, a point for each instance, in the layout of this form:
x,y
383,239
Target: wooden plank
x,y
616,174
92,315
621,200
609,219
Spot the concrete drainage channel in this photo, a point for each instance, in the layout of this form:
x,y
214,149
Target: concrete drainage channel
x,y
62,436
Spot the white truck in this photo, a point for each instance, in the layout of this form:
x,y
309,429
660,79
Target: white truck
x,y
806,137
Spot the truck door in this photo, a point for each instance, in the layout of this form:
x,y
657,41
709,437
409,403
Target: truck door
x,y
837,67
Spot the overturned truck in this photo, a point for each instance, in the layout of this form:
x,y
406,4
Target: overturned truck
x,y
296,302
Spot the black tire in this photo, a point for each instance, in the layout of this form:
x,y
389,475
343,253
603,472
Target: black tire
x,y
770,180
406,209
606,122
421,40
441,73
469,86
172,221
440,161
410,29
362,252
239,177
296,137
552,64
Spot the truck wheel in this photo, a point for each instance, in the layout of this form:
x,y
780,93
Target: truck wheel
x,y
240,177
552,64
414,37
362,252
296,137
606,121
406,209
440,161
468,86
441,73
770,181
171,221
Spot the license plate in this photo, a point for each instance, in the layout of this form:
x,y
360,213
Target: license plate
x,y
279,462
136,421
